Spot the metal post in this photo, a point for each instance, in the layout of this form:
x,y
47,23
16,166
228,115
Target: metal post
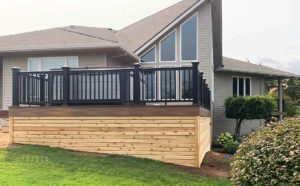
x,y
201,88
280,105
195,83
136,84
15,84
203,91
66,85
42,89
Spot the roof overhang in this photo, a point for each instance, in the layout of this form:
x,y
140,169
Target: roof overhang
x,y
63,48
265,75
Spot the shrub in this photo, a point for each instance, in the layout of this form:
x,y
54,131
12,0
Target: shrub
x,y
227,143
248,108
223,139
231,147
270,156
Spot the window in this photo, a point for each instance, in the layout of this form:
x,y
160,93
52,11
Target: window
x,y
241,86
189,39
48,63
149,56
168,48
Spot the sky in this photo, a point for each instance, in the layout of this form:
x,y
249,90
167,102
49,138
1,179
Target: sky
x,y
264,32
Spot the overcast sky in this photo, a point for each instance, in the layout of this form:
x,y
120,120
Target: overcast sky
x,y
261,31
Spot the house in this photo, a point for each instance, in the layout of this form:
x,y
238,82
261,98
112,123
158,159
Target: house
x,y
181,82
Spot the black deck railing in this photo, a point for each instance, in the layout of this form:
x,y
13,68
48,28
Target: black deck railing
x,y
78,86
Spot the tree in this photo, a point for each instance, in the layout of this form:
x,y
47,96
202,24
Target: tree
x,y
248,108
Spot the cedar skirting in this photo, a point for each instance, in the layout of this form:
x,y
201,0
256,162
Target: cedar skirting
x,y
172,134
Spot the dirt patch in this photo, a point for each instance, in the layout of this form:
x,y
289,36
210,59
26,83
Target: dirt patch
x,y
214,165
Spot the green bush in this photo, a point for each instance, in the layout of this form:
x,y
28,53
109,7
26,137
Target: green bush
x,y
231,147
270,156
227,143
223,139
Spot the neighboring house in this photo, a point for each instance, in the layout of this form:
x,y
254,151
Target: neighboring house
x,y
189,31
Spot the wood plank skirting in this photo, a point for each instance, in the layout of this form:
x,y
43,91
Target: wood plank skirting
x,y
169,137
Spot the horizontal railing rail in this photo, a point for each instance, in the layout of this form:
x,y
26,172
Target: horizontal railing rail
x,y
79,86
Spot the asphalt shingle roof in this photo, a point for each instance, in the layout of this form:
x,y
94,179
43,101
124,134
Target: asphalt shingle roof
x,y
233,65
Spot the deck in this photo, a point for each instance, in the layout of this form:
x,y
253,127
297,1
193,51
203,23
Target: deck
x,y
156,113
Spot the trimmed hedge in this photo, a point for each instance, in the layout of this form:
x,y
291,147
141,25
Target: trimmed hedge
x,y
270,156
249,108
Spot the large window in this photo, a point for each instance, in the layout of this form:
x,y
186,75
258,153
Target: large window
x,y
241,86
149,56
168,48
48,63
189,39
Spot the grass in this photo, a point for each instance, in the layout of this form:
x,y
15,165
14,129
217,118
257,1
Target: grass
x,y
35,165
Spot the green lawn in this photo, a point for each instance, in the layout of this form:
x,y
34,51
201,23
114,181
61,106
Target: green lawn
x,y
34,165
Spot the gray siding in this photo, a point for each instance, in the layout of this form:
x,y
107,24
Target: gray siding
x,y
85,59
223,90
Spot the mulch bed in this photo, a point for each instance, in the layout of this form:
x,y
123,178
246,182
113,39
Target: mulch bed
x,y
214,165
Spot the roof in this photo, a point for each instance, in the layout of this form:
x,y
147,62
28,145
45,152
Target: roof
x,y
64,36
70,37
234,65
129,39
139,33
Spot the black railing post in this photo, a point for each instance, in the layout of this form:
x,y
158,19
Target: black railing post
x,y
195,83
15,84
66,85
203,91
200,87
42,89
136,84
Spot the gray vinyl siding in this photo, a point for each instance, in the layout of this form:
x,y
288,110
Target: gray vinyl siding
x,y
85,59
204,44
223,90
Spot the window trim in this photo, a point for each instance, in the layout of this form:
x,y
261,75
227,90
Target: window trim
x,y
41,59
154,47
197,38
160,41
238,85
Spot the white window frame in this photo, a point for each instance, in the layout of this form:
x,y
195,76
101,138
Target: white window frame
x,y
238,85
174,31
154,47
41,59
197,38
